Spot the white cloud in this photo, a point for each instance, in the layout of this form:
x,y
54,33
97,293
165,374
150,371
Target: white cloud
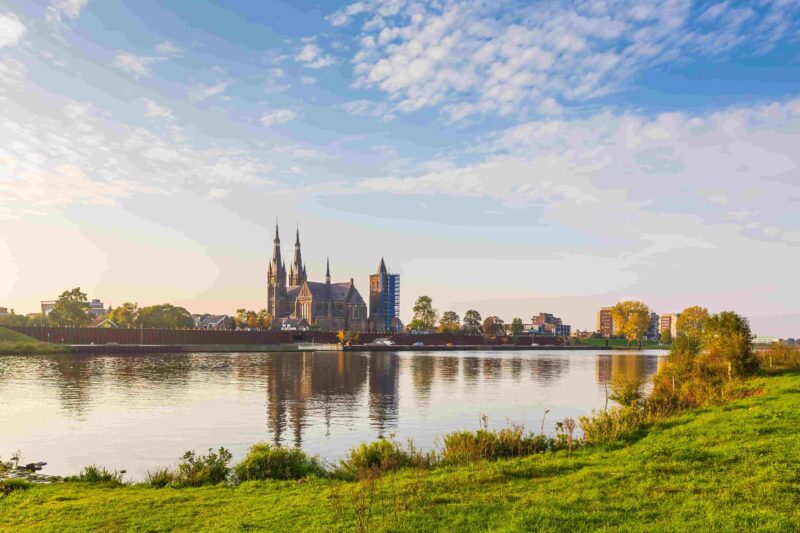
x,y
202,92
154,110
312,56
737,167
529,59
11,29
369,108
274,117
58,9
135,64
168,48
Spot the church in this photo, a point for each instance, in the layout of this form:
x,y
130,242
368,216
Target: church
x,y
326,306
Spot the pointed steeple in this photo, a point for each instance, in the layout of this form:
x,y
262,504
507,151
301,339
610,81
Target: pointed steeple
x,y
382,267
328,271
276,266
297,272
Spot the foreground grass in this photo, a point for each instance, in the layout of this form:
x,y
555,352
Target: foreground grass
x,y
728,468
12,343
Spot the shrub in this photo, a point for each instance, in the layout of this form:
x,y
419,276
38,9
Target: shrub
x,y
98,474
780,355
382,455
7,486
612,424
462,447
264,461
160,478
626,391
727,340
196,470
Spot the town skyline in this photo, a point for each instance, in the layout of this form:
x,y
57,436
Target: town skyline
x,y
509,158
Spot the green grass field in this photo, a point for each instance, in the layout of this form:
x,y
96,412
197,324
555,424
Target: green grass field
x,y
13,343
727,468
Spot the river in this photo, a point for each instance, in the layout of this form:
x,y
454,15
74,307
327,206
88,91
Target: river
x,y
138,412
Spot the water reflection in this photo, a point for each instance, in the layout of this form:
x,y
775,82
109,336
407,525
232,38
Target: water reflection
x,y
73,410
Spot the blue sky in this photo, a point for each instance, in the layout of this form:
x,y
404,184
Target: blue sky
x,y
516,157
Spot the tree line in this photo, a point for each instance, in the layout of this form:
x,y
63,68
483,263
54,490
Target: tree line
x,y
426,318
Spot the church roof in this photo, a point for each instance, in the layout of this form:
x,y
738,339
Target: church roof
x,y
334,291
382,267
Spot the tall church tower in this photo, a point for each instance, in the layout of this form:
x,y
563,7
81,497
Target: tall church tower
x,y
297,272
276,288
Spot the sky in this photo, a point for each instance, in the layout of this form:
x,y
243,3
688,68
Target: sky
x,y
513,157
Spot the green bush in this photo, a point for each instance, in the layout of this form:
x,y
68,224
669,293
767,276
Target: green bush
x,y
380,456
196,470
626,391
7,486
612,424
160,478
462,447
98,474
264,461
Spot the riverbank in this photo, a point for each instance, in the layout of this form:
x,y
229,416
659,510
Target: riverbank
x,y
14,343
731,467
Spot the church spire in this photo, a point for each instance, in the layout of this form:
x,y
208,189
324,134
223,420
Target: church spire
x,y
328,271
297,272
382,267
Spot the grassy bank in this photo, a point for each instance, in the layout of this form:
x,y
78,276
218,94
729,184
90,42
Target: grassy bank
x,y
731,467
12,343
620,344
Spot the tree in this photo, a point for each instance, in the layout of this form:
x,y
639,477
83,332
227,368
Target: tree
x,y
71,309
13,319
240,319
165,316
631,319
449,323
517,327
691,321
666,337
264,319
472,322
424,314
252,319
125,316
727,338
493,325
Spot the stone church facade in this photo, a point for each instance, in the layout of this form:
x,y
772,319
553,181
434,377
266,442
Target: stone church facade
x,y
327,306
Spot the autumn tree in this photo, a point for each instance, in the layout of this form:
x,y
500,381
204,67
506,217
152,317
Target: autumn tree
x,y
424,314
517,327
631,319
691,321
472,322
493,325
727,338
71,309
264,319
252,319
450,322
240,318
126,315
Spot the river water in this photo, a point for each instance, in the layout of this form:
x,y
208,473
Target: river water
x,y
138,412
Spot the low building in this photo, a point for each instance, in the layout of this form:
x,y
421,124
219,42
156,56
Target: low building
x,y
563,330
4,311
47,306
546,318
295,324
102,322
213,322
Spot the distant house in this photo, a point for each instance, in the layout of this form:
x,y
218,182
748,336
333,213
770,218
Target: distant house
x,y
4,311
215,322
102,322
295,324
